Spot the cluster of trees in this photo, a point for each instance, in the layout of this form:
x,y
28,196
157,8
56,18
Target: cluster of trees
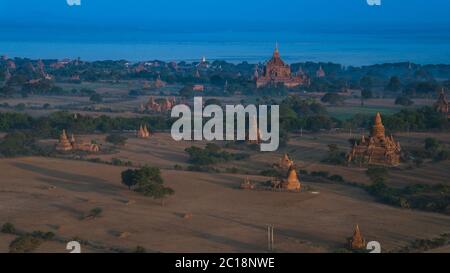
x,y
19,144
227,79
404,101
116,139
433,149
436,149
333,99
335,155
420,119
211,154
147,181
435,198
297,114
53,124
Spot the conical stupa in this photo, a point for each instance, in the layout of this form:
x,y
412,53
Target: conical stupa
x,y
64,144
357,241
292,183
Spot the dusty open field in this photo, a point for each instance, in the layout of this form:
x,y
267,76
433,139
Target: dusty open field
x,y
53,195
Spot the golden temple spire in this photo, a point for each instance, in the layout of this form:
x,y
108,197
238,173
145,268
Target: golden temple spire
x,y
276,53
378,120
292,182
378,130
64,135
292,175
357,241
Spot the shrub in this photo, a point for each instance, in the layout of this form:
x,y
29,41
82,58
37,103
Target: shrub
x,y
96,98
211,154
333,99
43,235
320,174
94,213
271,173
335,156
337,178
140,249
404,101
303,172
8,228
24,244
377,174
116,139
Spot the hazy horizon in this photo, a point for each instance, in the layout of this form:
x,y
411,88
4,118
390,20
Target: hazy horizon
x,y
348,32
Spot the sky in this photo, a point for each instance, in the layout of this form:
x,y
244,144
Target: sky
x,y
232,14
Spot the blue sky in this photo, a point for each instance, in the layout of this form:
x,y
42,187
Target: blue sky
x,y
233,14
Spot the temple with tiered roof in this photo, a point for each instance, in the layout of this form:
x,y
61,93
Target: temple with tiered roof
x,y
378,149
66,145
159,107
276,72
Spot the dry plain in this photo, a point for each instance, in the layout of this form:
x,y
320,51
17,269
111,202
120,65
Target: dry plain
x,y
51,194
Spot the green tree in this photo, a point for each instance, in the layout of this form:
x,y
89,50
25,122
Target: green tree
x,y
404,101
366,82
366,94
378,174
394,84
17,144
432,145
96,98
335,155
333,99
129,178
148,181
187,92
116,139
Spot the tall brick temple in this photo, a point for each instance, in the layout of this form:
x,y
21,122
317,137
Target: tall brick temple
x,y
277,71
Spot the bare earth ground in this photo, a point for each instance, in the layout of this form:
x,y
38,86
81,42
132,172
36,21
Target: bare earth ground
x,y
54,194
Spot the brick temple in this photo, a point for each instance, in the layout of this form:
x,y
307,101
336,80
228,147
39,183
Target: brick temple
x,y
277,71
377,149
66,145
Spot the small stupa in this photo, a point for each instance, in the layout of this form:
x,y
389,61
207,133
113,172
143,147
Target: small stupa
x,y
143,132
320,73
292,183
247,184
357,242
64,144
285,162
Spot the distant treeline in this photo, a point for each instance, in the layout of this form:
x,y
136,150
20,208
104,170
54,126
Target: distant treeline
x,y
421,119
297,114
225,78
53,124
